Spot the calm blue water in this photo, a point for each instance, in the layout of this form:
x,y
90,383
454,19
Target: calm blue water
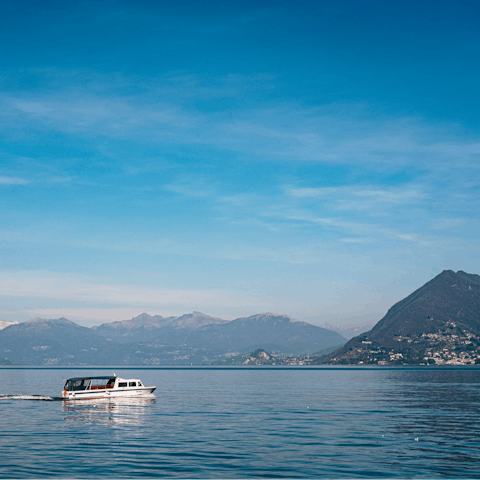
x,y
228,423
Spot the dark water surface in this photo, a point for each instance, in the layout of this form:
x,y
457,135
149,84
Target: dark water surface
x,y
242,423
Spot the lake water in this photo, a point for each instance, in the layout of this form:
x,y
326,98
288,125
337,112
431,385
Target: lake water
x,y
243,423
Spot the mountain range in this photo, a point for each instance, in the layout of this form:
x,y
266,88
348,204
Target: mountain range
x,y
437,324
193,338
144,327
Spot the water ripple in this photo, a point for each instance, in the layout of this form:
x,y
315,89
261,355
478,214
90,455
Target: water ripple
x,y
389,423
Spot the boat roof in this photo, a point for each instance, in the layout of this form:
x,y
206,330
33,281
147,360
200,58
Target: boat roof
x,y
110,377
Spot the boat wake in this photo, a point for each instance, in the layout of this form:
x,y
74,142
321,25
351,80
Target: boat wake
x,y
26,397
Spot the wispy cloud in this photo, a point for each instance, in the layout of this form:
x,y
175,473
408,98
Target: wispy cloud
x,y
162,110
348,134
348,215
365,228
355,240
86,290
87,113
362,211
394,195
161,114
375,199
191,186
13,181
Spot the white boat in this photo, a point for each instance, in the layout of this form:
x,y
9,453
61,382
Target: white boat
x,y
86,388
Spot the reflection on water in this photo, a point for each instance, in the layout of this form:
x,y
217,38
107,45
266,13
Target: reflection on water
x,y
108,411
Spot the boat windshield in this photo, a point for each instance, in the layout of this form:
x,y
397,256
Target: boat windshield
x,y
77,384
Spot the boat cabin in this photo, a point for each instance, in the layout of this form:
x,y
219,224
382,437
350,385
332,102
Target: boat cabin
x,y
99,383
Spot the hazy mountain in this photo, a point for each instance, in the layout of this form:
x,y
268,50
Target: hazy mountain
x,y
349,331
142,320
438,323
50,342
195,320
144,327
137,329
177,341
278,333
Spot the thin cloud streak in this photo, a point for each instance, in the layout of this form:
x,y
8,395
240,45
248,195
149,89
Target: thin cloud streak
x,y
13,181
51,285
333,133
394,195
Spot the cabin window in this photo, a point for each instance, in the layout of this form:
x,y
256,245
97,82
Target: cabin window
x,y
140,384
122,384
132,384
76,385
102,383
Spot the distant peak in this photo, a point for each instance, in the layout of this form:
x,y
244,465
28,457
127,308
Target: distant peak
x,y
142,315
268,314
273,315
445,274
50,320
459,275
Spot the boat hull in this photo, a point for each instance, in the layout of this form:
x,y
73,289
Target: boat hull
x,y
108,393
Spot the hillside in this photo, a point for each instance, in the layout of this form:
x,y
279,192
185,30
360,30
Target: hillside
x,y
51,342
437,324
278,333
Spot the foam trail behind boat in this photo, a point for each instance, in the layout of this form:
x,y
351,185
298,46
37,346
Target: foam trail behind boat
x,y
25,397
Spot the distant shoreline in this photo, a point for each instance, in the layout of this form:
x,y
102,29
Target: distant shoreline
x,y
242,367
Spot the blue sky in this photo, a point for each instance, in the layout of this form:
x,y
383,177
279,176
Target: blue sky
x,y
318,159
